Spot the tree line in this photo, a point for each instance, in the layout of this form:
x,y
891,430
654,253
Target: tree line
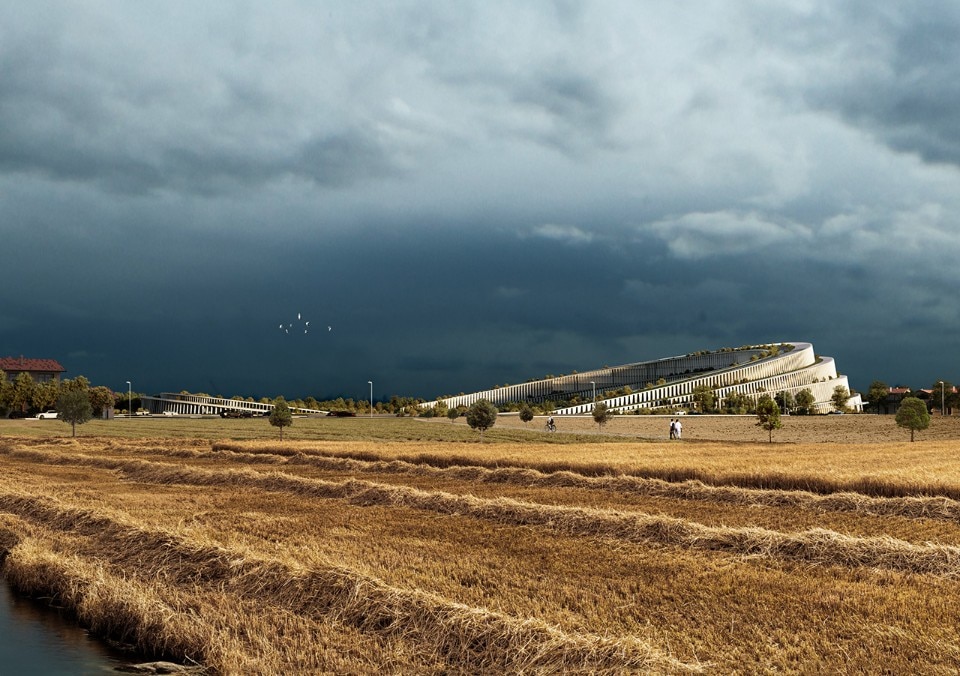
x,y
942,394
24,397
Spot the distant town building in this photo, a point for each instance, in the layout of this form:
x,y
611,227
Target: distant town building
x,y
932,398
895,395
41,370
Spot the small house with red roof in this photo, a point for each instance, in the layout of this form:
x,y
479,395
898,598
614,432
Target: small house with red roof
x,y
41,370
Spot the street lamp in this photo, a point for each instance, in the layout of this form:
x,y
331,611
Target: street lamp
x,y
370,383
129,399
941,398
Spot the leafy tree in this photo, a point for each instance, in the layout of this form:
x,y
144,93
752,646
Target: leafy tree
x,y
453,413
526,413
736,403
22,394
281,416
805,401
601,414
913,415
482,416
100,398
877,394
79,383
840,397
705,398
6,392
768,415
74,408
46,394
785,400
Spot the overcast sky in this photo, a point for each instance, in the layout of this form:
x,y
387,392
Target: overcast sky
x,y
474,193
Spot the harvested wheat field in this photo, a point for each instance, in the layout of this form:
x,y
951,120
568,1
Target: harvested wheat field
x,y
399,546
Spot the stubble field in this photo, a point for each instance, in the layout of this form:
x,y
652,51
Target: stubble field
x,y
399,546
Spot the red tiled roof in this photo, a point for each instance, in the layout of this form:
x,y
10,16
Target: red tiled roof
x,y
16,364
899,390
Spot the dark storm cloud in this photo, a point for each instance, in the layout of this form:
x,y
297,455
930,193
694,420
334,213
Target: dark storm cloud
x,y
472,193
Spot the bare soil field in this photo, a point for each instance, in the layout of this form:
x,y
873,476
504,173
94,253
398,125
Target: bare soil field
x,y
409,547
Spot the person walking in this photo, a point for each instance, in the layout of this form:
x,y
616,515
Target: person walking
x,y
673,428
678,429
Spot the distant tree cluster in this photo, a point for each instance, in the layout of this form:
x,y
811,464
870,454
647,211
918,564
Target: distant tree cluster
x,y
941,395
75,399
705,399
24,397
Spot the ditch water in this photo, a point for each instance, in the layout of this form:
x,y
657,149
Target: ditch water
x,y
37,639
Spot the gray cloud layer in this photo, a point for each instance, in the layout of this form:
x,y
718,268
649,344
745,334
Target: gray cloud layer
x,y
473,193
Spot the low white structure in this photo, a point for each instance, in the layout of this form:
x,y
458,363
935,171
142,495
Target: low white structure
x,y
169,403
670,382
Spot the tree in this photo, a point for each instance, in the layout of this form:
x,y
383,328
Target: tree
x,y
840,397
768,415
453,413
46,394
601,414
6,392
482,416
100,398
22,394
877,394
78,383
526,413
805,401
786,401
281,416
705,398
913,415
74,408
736,403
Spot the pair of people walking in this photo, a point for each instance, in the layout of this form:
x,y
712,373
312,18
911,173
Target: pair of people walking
x,y
676,428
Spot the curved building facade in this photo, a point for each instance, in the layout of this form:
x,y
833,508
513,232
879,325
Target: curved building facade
x,y
670,382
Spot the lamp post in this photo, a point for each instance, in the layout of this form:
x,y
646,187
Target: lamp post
x,y
129,399
370,383
941,398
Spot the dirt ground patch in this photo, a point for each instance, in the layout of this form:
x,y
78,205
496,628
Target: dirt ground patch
x,y
850,428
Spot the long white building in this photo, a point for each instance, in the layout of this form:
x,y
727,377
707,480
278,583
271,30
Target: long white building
x,y
670,382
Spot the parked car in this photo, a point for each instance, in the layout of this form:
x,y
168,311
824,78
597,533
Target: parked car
x,y
47,415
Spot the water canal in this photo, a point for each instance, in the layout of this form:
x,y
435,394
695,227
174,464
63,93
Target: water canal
x,y
38,639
